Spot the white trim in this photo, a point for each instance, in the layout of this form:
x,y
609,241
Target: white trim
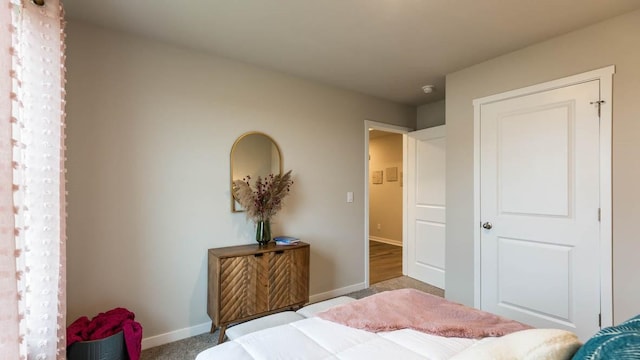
x,y
606,231
405,204
476,204
394,242
605,76
550,85
368,124
171,336
376,125
336,292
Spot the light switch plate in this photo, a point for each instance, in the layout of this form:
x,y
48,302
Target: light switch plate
x,y
350,196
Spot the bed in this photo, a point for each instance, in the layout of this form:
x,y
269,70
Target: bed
x,y
392,325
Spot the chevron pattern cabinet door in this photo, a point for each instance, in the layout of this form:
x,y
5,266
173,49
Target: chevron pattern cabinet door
x,y
233,300
256,286
279,265
249,281
299,276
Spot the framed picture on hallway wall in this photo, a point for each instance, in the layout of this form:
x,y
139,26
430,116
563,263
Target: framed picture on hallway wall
x,y
392,173
376,177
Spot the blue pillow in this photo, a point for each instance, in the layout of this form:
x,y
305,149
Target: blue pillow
x,y
615,342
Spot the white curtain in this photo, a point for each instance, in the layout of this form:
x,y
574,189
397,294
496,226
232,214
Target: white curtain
x,y
32,182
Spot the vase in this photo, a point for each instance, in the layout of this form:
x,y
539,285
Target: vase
x,y
263,232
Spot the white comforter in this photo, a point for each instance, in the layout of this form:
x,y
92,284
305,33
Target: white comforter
x,y
315,338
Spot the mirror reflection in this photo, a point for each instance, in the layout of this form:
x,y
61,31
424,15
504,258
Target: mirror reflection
x,y
254,154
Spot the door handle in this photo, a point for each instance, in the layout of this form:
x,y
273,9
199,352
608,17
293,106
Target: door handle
x,y
487,225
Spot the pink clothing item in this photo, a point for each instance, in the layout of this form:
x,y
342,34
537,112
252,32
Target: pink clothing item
x,y
74,331
413,309
133,338
106,324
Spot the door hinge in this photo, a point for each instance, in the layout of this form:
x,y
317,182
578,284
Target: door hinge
x,y
599,320
598,104
599,214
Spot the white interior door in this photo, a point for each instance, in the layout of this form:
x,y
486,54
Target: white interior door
x,y
539,204
426,205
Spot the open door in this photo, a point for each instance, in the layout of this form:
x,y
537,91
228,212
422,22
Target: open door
x,y
426,205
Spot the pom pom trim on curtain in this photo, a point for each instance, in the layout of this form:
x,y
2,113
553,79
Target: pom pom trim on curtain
x,y
32,181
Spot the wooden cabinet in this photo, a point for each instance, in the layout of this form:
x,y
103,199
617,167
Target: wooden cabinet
x,y
249,281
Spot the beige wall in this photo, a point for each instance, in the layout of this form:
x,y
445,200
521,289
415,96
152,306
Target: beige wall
x,y
150,128
430,115
385,200
614,42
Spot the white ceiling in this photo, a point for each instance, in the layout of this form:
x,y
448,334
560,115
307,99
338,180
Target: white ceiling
x,y
384,48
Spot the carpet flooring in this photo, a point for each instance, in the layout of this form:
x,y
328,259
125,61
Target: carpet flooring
x,y
188,348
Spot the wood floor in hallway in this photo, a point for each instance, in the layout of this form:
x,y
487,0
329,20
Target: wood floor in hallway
x,y
385,261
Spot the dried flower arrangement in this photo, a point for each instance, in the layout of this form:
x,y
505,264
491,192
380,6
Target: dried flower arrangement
x,y
265,200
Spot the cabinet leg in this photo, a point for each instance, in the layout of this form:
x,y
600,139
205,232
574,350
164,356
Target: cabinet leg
x,y
223,328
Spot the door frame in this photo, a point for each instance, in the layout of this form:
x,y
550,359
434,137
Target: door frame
x,y
605,76
374,125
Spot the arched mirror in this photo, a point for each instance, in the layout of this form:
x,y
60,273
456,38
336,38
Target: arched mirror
x,y
254,154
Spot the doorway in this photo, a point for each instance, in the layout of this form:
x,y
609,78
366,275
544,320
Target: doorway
x,y
385,205
384,201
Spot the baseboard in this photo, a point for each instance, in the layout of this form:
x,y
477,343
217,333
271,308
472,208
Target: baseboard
x,y
385,240
336,292
176,335
180,334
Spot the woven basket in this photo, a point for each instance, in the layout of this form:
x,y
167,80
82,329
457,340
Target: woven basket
x,y
109,348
